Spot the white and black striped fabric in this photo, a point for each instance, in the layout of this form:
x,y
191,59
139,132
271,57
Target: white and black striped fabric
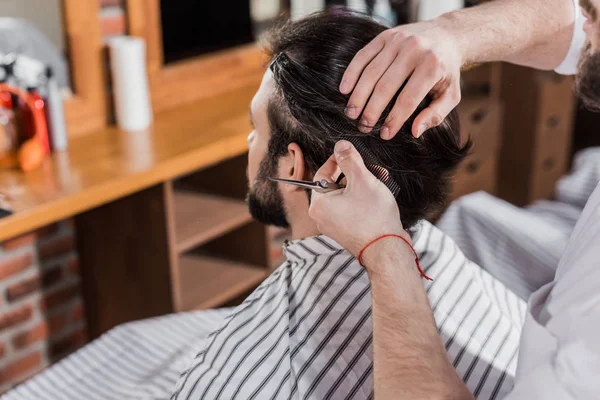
x,y
306,332
138,360
577,187
315,337
522,247
519,247
479,321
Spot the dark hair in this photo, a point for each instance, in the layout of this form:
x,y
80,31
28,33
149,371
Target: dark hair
x,y
309,58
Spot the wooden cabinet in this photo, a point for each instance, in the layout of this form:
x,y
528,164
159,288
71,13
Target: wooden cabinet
x,y
481,114
521,123
481,120
186,244
537,133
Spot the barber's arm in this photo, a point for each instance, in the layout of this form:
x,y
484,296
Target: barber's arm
x,y
535,33
410,361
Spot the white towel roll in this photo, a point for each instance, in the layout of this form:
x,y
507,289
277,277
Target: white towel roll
x,y
130,83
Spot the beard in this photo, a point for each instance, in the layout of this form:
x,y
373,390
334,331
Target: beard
x,y
265,201
587,80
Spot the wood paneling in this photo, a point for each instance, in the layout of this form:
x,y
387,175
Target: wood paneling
x,y
208,282
124,260
201,217
481,115
248,244
226,179
476,174
109,164
194,79
86,111
539,109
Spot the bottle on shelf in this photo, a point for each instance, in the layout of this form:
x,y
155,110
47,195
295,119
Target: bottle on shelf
x,y
55,113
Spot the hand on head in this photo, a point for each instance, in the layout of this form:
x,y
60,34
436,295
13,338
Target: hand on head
x,y
422,54
359,213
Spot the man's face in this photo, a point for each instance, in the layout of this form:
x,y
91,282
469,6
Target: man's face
x,y
264,198
587,81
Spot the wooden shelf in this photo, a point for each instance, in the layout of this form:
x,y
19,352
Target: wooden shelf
x,y
111,164
207,282
201,217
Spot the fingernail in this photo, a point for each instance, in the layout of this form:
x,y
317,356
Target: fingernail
x,y
342,146
364,126
344,87
421,130
385,133
351,112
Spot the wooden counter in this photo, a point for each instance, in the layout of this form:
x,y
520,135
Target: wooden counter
x,y
160,216
110,164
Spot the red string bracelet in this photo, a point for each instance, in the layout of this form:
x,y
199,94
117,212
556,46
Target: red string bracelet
x,y
405,241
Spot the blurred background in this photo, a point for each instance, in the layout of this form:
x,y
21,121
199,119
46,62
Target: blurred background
x,y
123,129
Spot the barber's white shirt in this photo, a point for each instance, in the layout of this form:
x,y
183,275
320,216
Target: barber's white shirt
x,y
560,344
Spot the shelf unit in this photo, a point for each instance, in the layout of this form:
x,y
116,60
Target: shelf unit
x,y
200,217
215,254
481,115
208,282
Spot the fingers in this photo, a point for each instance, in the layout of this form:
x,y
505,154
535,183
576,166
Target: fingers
x,y
359,63
350,162
372,74
387,87
345,158
327,170
422,81
437,111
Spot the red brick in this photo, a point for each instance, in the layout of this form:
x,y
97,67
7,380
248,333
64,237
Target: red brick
x,y
23,288
16,316
23,240
69,343
56,246
59,297
31,336
73,265
77,312
17,368
113,24
47,230
57,324
15,264
51,276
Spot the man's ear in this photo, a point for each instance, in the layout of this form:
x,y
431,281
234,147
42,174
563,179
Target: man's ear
x,y
291,166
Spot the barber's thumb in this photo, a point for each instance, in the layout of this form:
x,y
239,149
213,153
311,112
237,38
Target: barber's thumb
x,y
348,158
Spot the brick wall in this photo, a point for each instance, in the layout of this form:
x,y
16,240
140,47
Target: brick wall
x,y
41,309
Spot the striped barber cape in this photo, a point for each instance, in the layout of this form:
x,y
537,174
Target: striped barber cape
x,y
306,332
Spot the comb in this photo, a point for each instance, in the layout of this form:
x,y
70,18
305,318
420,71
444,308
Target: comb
x,y
373,165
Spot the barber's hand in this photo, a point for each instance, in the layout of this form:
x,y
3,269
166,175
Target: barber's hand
x,y
426,55
362,211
